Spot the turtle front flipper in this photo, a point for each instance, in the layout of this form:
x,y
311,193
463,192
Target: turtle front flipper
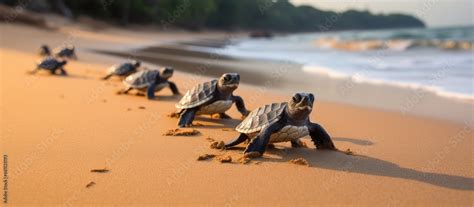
x,y
73,56
242,137
187,116
239,102
260,142
320,137
107,76
173,88
151,91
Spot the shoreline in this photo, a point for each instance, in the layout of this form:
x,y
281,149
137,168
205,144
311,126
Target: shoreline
x,y
286,76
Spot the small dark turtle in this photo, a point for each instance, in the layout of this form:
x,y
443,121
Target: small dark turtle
x,y
122,70
52,65
60,52
213,97
281,122
66,52
150,81
44,50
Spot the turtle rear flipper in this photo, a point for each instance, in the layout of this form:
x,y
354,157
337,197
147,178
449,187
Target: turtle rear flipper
x,y
63,72
296,143
107,76
187,117
242,137
34,71
124,91
260,142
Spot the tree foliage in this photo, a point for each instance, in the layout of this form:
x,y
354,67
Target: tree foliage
x,y
275,15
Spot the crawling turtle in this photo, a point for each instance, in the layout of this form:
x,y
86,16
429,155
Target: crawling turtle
x,y
213,97
150,81
60,52
66,52
122,70
44,50
281,122
52,65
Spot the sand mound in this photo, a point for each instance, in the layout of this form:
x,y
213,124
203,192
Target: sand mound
x,y
224,159
182,132
205,157
218,145
299,161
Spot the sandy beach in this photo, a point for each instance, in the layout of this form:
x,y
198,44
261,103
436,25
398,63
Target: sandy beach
x,y
55,130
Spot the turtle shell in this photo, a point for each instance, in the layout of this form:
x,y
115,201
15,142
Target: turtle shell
x,y
261,117
49,63
198,95
121,69
141,79
64,52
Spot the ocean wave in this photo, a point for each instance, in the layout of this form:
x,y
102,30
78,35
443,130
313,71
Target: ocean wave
x,y
392,44
362,78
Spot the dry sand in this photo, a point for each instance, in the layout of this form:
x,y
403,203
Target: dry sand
x,y
55,130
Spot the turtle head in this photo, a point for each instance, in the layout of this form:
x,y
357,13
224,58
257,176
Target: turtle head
x,y
44,47
73,51
228,82
167,72
301,105
136,63
44,50
62,62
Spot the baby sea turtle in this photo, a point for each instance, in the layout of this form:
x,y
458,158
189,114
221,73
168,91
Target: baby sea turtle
x,y
66,52
60,52
213,97
281,122
44,50
122,70
150,81
52,65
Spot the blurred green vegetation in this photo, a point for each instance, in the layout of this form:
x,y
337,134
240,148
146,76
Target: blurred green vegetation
x,y
273,15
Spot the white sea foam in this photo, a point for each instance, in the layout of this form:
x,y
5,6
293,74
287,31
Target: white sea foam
x,y
321,70
363,79
403,58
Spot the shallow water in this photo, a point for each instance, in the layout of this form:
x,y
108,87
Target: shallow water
x,y
440,60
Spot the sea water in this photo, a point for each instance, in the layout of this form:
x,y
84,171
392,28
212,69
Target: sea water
x,y
436,59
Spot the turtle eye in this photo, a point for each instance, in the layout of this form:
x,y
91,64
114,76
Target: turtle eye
x,y
226,78
297,98
311,97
